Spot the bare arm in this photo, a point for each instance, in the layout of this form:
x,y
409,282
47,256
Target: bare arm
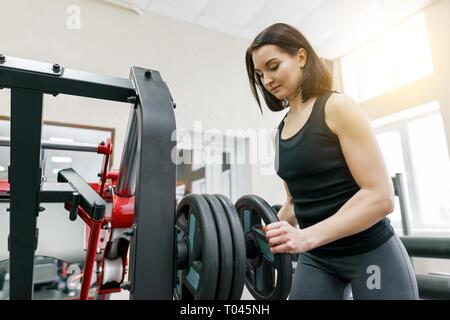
x,y
374,200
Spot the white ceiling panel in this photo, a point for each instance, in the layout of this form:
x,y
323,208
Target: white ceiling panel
x,y
334,27
272,12
365,24
230,12
142,4
178,9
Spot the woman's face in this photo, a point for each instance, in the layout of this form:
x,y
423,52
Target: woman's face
x,y
280,72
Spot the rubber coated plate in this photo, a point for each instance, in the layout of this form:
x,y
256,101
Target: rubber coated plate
x,y
261,279
196,227
238,247
276,207
225,272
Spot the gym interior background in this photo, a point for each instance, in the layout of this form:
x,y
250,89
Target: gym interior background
x,y
390,56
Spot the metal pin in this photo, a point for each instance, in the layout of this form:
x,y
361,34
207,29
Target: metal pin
x,y
56,67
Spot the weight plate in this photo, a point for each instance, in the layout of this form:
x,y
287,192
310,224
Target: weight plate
x,y
225,271
238,247
268,275
196,232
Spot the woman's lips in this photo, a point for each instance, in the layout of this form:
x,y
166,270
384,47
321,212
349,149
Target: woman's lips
x,y
275,88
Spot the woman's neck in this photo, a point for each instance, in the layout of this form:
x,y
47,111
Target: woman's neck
x,y
297,105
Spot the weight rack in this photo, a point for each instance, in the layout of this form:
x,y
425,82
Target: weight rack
x,y
146,168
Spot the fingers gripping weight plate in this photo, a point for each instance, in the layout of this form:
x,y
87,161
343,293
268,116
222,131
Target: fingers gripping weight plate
x,y
277,208
225,271
238,240
268,275
197,254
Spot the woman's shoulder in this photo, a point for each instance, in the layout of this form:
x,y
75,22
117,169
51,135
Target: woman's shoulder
x,y
339,109
339,100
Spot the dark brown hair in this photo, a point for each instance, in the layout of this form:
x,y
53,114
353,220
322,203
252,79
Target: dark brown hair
x,y
316,77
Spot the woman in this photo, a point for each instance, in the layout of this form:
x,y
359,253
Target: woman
x,y
338,189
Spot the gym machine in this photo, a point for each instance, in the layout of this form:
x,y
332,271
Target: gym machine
x,y
146,177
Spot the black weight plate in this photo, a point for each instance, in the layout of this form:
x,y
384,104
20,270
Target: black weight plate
x,y
195,226
225,271
261,280
276,207
239,254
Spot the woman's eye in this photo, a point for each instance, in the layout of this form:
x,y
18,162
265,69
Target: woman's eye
x,y
274,68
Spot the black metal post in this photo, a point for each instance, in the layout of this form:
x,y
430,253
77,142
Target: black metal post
x,y
152,259
25,180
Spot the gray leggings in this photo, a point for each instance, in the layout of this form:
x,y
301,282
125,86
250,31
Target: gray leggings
x,y
383,273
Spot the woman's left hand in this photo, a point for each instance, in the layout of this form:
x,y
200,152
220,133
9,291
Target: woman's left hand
x,y
284,238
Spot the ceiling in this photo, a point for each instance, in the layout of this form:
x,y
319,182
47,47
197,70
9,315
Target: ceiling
x,y
334,27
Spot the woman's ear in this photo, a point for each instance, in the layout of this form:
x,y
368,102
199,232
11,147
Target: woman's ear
x,y
302,55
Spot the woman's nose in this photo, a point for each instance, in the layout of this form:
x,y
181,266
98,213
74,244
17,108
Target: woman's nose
x,y
267,81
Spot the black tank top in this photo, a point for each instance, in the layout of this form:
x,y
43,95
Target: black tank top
x,y
314,168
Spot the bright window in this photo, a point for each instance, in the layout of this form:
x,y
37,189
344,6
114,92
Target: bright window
x,y
413,143
397,57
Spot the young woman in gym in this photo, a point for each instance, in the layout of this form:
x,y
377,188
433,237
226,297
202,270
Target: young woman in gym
x,y
338,189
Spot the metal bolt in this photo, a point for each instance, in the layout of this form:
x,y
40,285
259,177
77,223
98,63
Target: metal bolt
x,y
2,57
148,73
132,99
56,67
102,143
174,105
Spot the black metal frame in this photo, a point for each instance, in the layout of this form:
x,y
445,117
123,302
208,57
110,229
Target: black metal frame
x,y
152,247
152,259
25,179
